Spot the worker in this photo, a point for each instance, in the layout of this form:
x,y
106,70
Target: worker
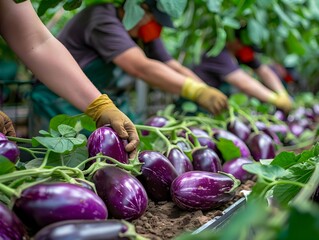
x,y
100,43
226,67
50,62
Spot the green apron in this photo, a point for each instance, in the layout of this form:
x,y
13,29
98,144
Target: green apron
x,y
108,78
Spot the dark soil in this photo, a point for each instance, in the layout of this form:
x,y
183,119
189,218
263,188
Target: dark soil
x,y
164,220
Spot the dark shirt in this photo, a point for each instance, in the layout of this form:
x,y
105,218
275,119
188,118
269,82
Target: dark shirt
x,y
97,32
213,70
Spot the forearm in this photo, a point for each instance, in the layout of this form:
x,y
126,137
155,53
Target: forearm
x,y
182,69
68,82
269,78
250,86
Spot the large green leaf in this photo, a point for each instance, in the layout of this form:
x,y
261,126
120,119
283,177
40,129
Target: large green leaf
x,y
133,13
228,149
173,8
6,165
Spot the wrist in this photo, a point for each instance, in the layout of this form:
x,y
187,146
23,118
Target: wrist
x,y
191,89
95,108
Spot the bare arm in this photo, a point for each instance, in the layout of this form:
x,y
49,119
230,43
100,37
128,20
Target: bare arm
x,y
157,74
45,56
249,85
269,78
182,70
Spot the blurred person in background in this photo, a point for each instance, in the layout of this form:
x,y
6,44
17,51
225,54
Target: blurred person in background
x,y
226,68
50,62
108,53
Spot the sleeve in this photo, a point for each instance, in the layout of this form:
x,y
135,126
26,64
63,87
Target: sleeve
x,y
109,37
156,50
246,55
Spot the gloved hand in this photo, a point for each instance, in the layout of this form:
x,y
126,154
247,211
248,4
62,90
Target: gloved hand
x,y
103,111
6,126
282,101
208,97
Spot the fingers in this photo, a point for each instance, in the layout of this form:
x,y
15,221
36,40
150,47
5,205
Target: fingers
x,y
118,126
6,126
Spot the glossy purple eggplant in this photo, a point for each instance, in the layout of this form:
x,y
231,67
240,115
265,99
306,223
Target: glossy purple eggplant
x,y
296,129
184,145
261,146
180,161
260,125
238,128
3,137
203,138
111,229
106,141
273,136
123,194
221,133
281,130
315,109
157,175
11,228
205,159
234,167
46,203
9,150
155,121
200,190
280,115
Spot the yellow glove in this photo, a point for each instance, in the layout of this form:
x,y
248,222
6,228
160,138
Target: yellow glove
x,y
6,126
282,101
208,97
103,111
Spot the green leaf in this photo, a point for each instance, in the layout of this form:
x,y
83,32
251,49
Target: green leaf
x,y
46,4
67,131
281,14
76,157
228,149
34,163
173,8
294,44
72,4
214,5
72,121
6,165
133,13
255,31
268,172
239,99
189,107
284,160
231,22
219,44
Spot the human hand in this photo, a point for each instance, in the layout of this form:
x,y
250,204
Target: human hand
x,y
282,101
103,111
208,97
6,126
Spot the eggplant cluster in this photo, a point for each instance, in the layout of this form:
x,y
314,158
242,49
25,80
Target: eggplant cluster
x,y
9,149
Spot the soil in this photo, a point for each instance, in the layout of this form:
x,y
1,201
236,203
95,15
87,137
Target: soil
x,y
164,220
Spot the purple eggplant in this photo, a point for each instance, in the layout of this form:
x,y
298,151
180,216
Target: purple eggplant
x,y
123,194
46,203
238,128
184,145
11,228
180,161
260,125
315,109
203,138
234,167
200,190
273,136
281,130
3,137
86,230
155,121
205,159
261,146
106,141
157,175
9,150
221,133
296,129
280,115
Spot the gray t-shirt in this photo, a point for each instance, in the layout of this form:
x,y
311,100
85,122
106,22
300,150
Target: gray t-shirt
x,y
213,70
97,32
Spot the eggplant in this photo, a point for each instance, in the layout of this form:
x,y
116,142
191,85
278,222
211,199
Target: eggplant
x,y
260,125
205,159
280,115
221,133
46,203
203,138
106,141
273,136
200,190
238,128
111,229
123,194
9,150
234,167
3,137
157,175
315,109
281,130
11,228
261,146
180,161
184,146
155,121
296,129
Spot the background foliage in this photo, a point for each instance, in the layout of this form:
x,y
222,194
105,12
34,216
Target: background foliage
x,y
285,30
